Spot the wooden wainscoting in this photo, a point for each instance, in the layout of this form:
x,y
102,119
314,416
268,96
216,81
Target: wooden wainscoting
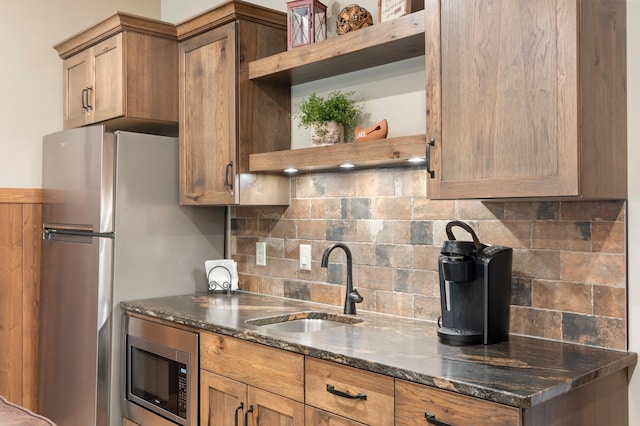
x,y
20,230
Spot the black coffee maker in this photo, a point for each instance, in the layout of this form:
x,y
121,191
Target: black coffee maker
x,y
475,290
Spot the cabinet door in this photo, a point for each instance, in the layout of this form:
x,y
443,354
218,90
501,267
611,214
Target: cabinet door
x,y
502,98
270,409
254,364
222,400
413,402
208,111
77,71
107,94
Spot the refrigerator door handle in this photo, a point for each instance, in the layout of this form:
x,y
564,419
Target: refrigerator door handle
x,y
61,233
67,237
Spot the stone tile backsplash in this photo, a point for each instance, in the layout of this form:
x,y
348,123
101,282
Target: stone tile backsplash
x,y
569,264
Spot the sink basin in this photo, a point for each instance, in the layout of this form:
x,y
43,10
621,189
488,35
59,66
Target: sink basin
x,y
302,322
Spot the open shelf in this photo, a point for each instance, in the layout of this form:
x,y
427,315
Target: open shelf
x,y
379,44
376,153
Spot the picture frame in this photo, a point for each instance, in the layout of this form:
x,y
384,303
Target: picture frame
x,y
391,9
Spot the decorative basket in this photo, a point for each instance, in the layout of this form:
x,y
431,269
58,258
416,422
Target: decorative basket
x,y
351,18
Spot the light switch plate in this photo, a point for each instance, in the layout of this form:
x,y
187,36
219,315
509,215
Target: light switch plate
x,y
261,254
305,257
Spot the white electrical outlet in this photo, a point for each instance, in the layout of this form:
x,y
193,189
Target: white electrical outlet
x,y
305,257
261,254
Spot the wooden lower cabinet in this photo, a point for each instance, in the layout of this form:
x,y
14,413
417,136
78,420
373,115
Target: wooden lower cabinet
x,y
356,394
244,383
599,402
413,402
225,401
249,384
316,417
222,400
127,422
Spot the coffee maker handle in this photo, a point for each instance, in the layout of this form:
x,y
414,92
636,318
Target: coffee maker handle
x,y
476,242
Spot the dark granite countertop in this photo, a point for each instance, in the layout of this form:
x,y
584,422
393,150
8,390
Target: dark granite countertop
x,y
521,372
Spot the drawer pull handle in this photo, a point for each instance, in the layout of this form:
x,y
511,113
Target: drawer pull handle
x,y
228,179
332,390
83,99
240,408
246,415
432,173
89,90
431,419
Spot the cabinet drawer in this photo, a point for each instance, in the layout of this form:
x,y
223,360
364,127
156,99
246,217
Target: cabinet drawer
x,y
413,401
316,417
266,368
358,395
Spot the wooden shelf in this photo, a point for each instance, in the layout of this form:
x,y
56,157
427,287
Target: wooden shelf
x,y
380,44
376,153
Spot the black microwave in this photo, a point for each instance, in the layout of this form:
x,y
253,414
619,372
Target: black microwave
x,y
161,380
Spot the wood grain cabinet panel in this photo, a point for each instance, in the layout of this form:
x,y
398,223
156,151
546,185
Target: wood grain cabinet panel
x,y
315,417
526,98
223,115
242,380
20,239
122,72
127,422
107,99
260,366
414,402
222,400
208,136
356,394
272,409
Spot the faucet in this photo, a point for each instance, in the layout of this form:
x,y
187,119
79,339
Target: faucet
x,y
352,296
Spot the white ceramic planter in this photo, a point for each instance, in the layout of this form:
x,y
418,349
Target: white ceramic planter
x,y
329,133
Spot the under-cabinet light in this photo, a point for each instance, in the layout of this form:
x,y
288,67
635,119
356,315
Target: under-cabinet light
x,y
347,166
291,170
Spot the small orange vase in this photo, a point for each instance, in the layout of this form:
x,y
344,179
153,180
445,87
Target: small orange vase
x,y
377,131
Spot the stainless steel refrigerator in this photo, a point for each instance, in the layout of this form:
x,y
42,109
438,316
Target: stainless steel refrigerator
x,y
112,230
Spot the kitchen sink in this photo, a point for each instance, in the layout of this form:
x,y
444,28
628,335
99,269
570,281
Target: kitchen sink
x,y
303,322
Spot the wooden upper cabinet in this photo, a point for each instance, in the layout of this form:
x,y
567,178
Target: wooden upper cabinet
x,y
108,84
526,98
122,72
224,116
208,134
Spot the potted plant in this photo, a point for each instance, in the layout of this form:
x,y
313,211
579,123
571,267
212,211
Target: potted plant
x,y
328,117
